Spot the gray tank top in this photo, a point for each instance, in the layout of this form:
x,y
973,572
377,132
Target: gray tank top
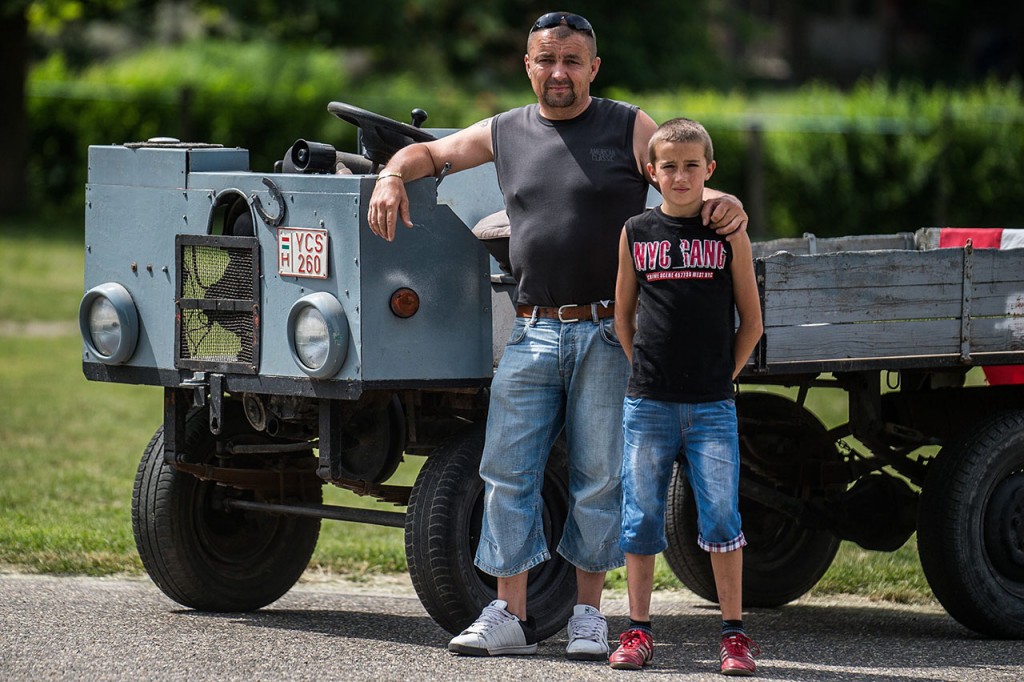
x,y
569,187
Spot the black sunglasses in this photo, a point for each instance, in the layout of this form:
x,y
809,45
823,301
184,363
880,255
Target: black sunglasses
x,y
573,21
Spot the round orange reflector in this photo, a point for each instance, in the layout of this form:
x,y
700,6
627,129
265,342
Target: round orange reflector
x,y
405,302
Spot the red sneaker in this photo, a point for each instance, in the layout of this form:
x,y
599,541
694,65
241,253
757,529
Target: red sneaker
x,y
636,649
737,654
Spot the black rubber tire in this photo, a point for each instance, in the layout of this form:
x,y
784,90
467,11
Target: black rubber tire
x,y
442,530
782,561
206,558
970,532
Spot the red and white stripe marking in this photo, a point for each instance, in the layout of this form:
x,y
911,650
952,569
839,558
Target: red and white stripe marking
x,y
988,238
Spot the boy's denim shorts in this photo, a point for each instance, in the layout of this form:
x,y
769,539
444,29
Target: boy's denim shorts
x,y
554,374
704,439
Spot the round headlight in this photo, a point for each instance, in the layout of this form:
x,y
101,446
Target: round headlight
x,y
312,341
104,327
109,323
318,334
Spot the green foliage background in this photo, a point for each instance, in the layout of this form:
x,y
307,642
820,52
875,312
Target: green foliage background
x,y
875,159
880,157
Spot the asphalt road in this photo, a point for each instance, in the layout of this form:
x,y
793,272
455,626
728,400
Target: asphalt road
x,y
107,629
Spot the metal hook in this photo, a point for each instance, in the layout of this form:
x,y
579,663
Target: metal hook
x,y
275,194
444,171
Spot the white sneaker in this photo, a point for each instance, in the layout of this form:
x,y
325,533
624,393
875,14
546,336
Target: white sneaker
x,y
495,633
588,635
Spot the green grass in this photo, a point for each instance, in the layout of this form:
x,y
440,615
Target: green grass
x,y
892,576
69,449
40,271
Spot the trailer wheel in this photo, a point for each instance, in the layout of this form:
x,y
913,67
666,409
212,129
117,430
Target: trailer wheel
x,y
782,560
442,531
970,533
199,554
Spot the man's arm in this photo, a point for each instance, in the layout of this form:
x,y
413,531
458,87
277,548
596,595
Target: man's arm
x,y
643,128
467,148
626,292
748,302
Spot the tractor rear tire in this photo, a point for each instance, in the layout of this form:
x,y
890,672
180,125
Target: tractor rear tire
x,y
442,531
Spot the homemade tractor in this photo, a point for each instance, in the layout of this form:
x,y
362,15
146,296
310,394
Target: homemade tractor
x,y
296,349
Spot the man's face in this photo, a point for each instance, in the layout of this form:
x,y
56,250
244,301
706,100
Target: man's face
x,y
561,69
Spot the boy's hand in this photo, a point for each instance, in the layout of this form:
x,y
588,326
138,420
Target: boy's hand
x,y
725,215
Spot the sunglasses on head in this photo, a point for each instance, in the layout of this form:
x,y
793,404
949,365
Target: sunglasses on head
x,y
573,21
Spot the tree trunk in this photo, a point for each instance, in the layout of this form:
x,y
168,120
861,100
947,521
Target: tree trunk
x,y
13,116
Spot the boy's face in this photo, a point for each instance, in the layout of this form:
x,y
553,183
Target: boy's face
x,y
681,169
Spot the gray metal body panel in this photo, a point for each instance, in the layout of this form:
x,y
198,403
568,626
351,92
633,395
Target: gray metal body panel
x,y
471,194
139,199
159,167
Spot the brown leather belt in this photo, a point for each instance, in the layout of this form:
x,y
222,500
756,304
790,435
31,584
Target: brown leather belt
x,y
569,313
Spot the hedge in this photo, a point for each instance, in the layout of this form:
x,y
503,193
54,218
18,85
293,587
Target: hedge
x,y
879,158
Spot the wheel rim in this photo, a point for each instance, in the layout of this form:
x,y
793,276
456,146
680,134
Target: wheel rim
x,y
773,538
1004,530
230,538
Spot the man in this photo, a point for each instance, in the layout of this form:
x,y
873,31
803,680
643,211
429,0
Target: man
x,y
571,169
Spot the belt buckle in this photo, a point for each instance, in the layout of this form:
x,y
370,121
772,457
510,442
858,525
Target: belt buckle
x,y
563,307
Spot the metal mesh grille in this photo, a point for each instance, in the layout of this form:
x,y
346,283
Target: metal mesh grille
x,y
218,311
217,272
216,336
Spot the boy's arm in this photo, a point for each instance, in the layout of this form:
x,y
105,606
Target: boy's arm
x,y
748,302
625,298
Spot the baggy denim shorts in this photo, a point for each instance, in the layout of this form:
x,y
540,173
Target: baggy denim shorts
x,y
554,375
704,439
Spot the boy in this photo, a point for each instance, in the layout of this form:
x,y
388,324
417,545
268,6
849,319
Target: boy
x,y
676,293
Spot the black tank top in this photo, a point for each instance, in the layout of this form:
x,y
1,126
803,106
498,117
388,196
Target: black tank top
x,y
686,318
569,187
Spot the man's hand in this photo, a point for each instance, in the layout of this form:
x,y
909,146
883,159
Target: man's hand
x,y
467,148
725,215
388,201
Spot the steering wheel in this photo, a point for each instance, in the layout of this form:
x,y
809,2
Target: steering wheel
x,y
380,136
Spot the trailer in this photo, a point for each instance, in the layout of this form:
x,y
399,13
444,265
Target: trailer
x,y
297,350
896,322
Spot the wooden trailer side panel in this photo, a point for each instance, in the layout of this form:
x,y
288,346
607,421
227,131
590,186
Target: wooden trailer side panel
x,y
897,308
